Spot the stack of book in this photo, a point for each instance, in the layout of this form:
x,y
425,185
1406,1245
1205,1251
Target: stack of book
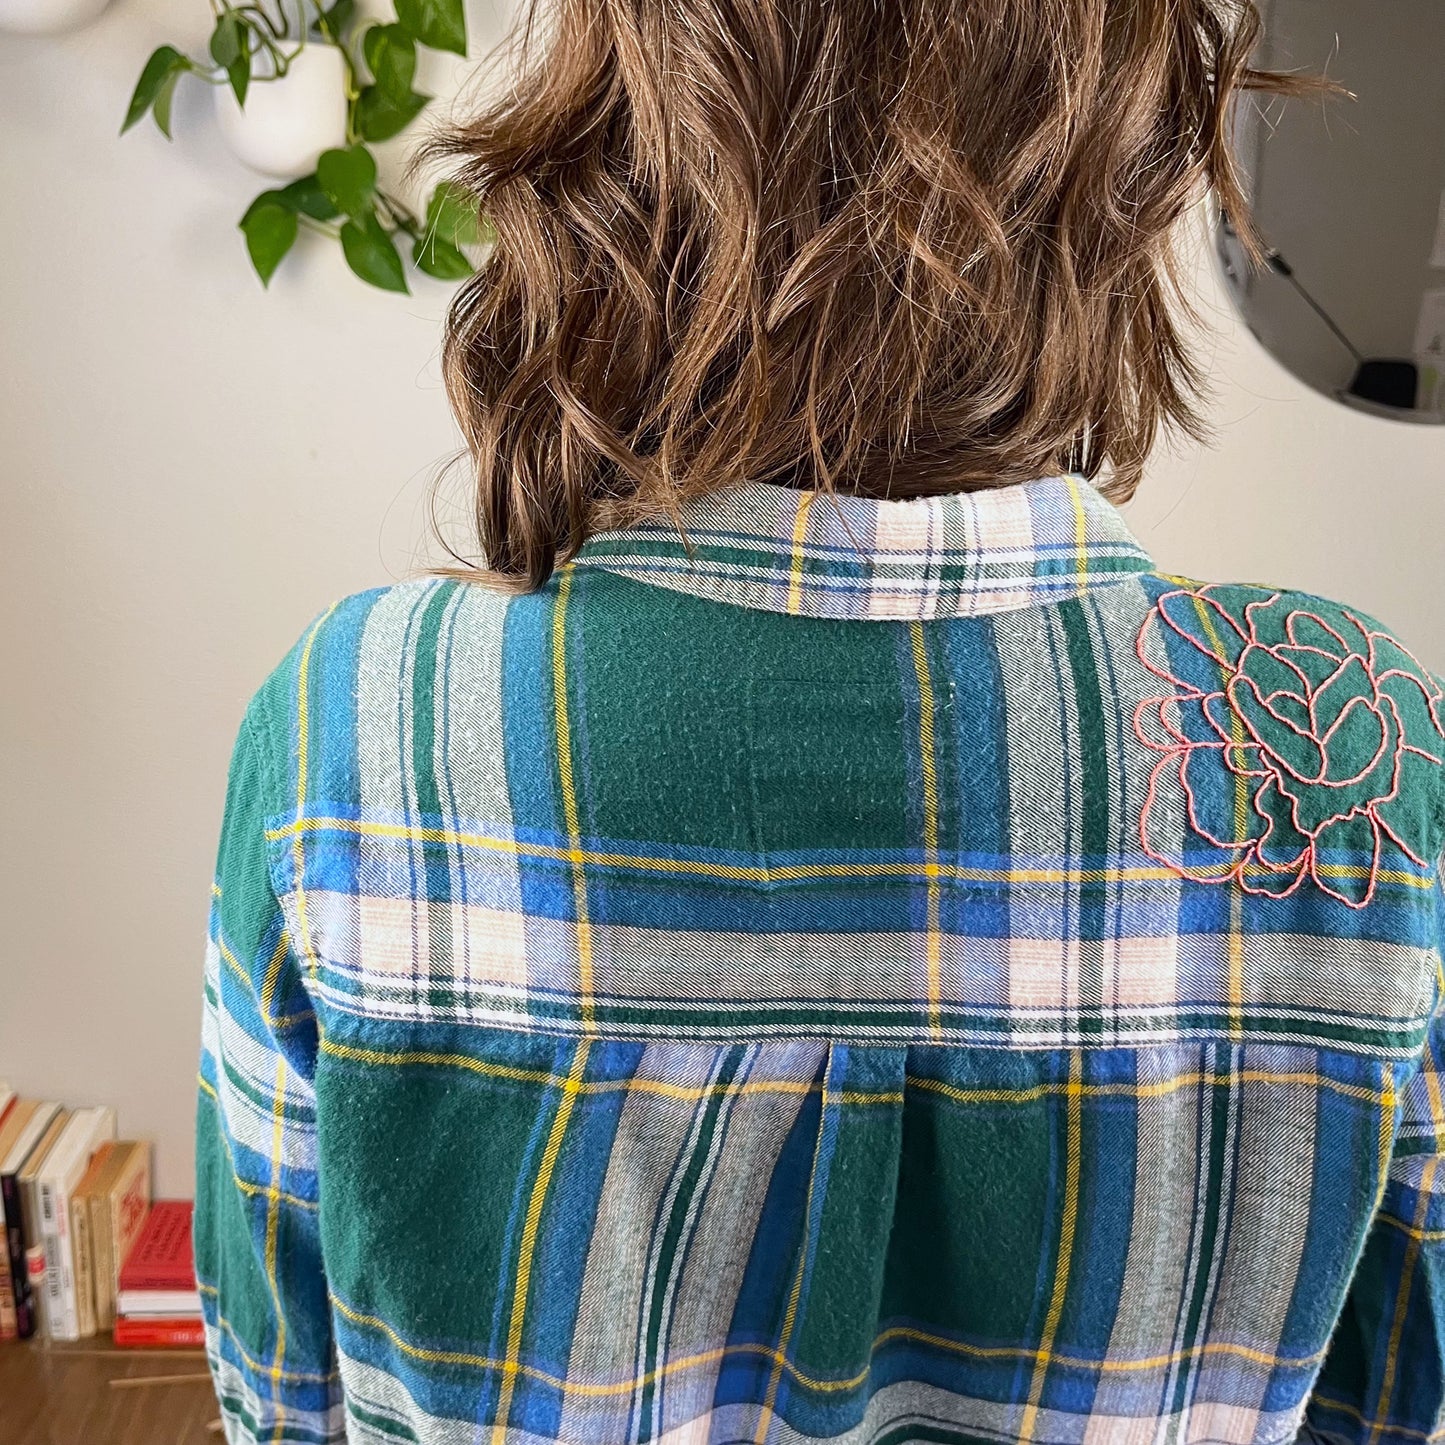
x,y
73,1200
159,1303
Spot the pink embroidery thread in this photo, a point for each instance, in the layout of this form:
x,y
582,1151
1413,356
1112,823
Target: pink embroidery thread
x,y
1244,750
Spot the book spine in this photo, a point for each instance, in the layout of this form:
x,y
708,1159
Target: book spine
x,y
184,1334
59,1264
84,1266
129,1209
8,1328
35,1272
162,1303
15,1258
102,1250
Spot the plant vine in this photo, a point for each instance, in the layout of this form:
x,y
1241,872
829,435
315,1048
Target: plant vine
x,y
342,198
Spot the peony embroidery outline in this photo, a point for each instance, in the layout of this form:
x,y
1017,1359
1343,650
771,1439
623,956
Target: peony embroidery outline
x,y
1305,736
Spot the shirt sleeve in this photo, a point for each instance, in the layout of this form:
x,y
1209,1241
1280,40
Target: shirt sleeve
x,y
1383,1380
257,1246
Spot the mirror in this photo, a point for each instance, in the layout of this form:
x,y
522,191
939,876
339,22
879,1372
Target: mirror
x,y
1349,200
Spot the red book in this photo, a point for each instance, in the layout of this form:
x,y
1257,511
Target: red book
x,y
159,1276
182,1332
161,1257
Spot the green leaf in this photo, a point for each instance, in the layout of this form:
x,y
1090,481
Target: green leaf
x,y
440,259
348,178
231,50
162,110
157,81
266,198
442,24
270,229
307,197
334,20
391,57
452,215
372,254
228,39
389,104
240,77
380,116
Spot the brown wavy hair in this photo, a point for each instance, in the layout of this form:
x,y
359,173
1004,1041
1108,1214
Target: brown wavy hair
x,y
889,247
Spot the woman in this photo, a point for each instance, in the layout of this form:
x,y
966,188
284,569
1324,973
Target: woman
x,y
817,939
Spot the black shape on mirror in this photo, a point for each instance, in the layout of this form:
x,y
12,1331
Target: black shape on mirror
x,y
1387,383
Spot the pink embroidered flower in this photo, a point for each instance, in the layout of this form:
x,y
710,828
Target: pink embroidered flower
x,y
1290,743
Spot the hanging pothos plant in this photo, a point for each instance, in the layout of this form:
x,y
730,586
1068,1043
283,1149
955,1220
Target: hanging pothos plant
x,y
341,197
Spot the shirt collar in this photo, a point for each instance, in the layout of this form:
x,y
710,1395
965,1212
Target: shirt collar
x,y
760,544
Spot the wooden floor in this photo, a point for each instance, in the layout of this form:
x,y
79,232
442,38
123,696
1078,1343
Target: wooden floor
x,y
62,1395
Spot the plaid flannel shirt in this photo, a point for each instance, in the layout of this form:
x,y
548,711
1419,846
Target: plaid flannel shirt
x,y
870,971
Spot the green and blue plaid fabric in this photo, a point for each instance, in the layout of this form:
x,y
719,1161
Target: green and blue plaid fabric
x,y
869,971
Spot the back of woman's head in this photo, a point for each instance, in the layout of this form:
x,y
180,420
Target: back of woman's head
x,y
892,247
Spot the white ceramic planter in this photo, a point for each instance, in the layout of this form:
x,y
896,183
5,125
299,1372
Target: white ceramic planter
x,y
286,123
47,17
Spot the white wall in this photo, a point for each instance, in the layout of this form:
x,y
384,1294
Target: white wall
x,y
192,468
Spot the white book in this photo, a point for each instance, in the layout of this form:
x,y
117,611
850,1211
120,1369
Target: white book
x,y
138,1303
87,1130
